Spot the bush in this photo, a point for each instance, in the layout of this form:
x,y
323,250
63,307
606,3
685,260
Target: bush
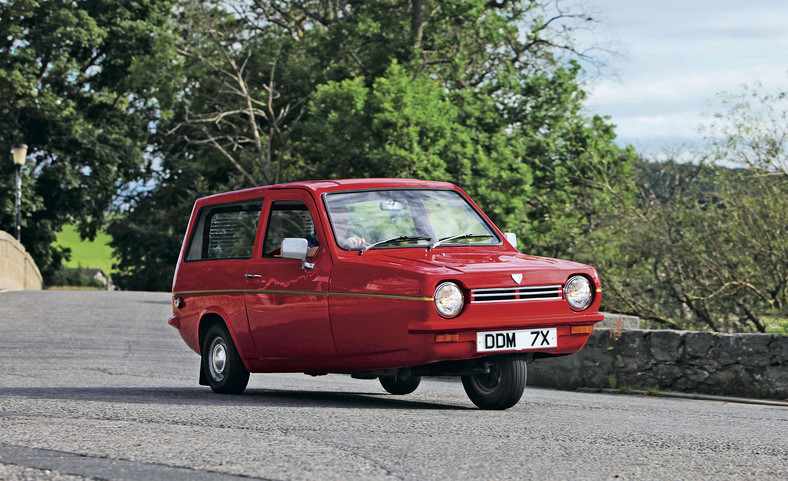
x,y
74,277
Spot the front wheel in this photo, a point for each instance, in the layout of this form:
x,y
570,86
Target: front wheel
x,y
404,382
225,372
501,387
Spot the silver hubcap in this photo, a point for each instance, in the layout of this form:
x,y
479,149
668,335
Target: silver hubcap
x,y
218,358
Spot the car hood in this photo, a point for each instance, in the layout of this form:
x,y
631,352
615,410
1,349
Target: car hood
x,y
489,268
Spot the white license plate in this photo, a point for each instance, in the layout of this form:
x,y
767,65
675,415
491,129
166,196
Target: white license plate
x,y
518,340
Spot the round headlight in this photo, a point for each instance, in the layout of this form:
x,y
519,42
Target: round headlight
x,y
448,299
578,293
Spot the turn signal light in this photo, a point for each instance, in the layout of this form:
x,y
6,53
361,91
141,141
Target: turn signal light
x,y
581,329
447,337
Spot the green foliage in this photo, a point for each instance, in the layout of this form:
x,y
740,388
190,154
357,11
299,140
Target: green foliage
x,y
612,381
143,106
475,92
400,127
74,88
703,248
578,171
147,239
539,168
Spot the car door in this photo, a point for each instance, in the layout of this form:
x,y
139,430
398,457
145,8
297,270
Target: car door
x,y
287,299
210,277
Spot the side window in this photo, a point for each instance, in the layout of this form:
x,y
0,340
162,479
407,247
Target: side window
x,y
289,219
225,232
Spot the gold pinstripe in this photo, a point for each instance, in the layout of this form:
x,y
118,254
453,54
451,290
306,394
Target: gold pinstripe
x,y
304,293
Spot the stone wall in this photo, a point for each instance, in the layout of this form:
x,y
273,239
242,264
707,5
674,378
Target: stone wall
x,y
17,269
747,365
618,321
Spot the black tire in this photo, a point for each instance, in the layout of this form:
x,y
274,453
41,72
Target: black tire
x,y
224,370
502,387
405,382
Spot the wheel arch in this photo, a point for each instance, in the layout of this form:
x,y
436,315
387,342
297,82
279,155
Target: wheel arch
x,y
206,321
236,324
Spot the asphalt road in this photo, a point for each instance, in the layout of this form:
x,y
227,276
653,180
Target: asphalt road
x,y
97,385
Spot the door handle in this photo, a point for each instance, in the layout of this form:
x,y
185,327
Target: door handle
x,y
253,276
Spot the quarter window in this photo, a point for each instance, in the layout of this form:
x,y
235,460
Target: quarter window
x,y
225,232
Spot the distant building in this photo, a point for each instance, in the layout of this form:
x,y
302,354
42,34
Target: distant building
x,y
96,275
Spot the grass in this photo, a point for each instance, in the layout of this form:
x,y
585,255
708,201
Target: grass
x,y
776,325
97,254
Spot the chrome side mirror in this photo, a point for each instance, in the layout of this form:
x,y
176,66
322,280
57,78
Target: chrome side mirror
x,y
295,248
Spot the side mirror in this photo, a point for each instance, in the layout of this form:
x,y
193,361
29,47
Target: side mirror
x,y
512,238
295,248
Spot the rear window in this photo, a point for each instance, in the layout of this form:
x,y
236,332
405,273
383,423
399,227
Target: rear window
x,y
225,231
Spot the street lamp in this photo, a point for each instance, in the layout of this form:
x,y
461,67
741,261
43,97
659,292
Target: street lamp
x,y
19,153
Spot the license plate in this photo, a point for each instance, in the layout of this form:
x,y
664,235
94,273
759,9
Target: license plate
x,y
518,340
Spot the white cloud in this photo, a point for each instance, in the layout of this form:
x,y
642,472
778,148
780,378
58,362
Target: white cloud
x,y
679,56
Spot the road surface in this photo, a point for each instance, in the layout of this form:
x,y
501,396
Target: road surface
x,y
97,385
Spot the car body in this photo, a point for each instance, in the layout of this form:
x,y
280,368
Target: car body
x,y
378,278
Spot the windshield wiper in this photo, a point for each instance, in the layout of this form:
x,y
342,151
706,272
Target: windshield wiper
x,y
401,238
454,237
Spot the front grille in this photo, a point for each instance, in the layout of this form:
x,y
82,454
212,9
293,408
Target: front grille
x,y
516,294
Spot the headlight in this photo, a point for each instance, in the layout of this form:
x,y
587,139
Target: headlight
x,y
448,299
578,293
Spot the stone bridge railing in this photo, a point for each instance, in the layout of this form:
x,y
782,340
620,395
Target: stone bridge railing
x,y
17,269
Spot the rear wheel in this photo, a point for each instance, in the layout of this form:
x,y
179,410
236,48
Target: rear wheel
x,y
405,382
501,387
225,372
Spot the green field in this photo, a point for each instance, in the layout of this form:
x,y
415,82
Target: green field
x,y
96,254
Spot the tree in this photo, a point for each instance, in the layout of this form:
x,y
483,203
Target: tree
x,y
538,167
74,87
238,103
644,238
476,92
705,246
752,135
398,127
252,66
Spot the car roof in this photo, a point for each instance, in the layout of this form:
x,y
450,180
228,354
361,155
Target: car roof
x,y
319,187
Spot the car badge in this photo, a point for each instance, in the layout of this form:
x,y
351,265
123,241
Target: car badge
x,y
517,278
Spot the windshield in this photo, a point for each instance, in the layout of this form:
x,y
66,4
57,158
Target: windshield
x,y
406,218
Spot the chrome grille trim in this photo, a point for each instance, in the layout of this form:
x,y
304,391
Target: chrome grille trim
x,y
516,294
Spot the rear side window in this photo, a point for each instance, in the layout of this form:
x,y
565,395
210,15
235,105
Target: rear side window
x,y
225,231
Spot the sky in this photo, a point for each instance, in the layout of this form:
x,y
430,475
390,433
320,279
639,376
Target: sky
x,y
674,57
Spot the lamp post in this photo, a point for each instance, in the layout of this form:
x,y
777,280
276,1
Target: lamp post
x,y
19,153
